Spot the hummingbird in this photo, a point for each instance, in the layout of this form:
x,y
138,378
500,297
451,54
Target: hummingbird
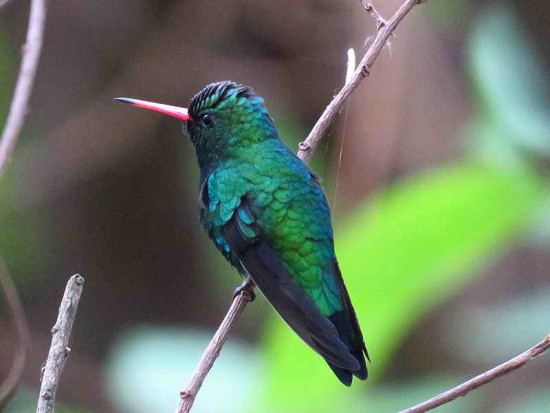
x,y
267,213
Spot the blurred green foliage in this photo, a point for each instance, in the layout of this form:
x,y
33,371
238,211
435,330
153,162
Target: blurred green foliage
x,y
25,401
7,72
167,356
17,245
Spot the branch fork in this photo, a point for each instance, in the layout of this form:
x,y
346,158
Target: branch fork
x,y
378,19
383,33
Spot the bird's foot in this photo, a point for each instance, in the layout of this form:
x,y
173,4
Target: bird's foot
x,y
246,289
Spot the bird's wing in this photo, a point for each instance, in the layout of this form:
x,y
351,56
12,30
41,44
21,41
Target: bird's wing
x,y
299,311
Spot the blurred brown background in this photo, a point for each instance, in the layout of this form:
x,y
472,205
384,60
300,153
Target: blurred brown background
x,y
111,193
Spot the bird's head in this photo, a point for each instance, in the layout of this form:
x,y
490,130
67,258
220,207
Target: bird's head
x,y
222,118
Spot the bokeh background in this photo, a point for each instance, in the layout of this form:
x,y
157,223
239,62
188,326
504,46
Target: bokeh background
x,y
436,171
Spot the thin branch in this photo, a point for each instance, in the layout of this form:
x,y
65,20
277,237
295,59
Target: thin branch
x,y
378,19
13,302
306,148
31,55
384,32
187,397
10,133
484,378
59,349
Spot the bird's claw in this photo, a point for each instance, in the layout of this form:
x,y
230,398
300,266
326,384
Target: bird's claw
x,y
246,289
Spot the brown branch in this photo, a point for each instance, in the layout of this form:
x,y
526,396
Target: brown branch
x,y
187,397
10,133
484,378
384,32
306,148
59,349
9,386
378,19
25,80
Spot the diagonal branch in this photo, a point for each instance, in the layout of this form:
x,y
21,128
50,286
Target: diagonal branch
x,y
484,378
59,349
9,386
306,148
384,32
187,397
25,80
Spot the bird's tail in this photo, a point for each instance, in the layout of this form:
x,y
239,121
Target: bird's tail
x,y
350,334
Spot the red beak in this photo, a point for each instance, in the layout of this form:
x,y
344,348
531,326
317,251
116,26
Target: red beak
x,y
175,111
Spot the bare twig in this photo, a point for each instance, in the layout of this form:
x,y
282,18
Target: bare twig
x,y
306,148
31,55
378,19
59,349
9,386
384,32
10,133
187,397
484,378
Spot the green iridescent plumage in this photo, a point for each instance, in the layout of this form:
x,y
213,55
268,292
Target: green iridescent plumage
x,y
291,215
267,213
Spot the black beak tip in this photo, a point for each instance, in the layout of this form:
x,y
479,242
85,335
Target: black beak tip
x,y
124,100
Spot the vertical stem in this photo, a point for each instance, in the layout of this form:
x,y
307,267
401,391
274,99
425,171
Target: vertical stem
x,y
59,349
25,80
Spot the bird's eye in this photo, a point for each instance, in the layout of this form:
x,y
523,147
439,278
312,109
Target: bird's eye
x,y
207,120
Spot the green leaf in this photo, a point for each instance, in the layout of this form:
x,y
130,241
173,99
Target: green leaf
x,y
409,250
